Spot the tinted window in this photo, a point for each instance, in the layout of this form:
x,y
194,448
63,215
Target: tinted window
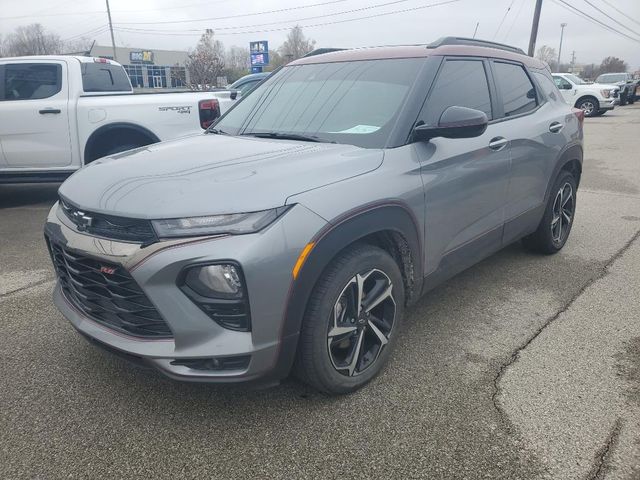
x,y
104,77
462,83
30,81
515,88
547,86
346,102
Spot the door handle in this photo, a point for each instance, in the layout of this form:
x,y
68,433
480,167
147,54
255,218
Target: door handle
x,y
49,110
498,143
555,127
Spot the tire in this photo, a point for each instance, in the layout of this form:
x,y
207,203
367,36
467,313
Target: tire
x,y
546,238
589,105
330,334
600,113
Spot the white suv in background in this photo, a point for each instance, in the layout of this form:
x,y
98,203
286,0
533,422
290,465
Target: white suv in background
x,y
594,98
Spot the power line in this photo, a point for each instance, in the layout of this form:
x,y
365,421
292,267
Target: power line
x,y
235,16
395,2
308,26
522,3
94,31
503,18
609,16
621,12
588,17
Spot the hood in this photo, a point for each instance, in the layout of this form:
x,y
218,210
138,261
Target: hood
x,y
605,86
212,174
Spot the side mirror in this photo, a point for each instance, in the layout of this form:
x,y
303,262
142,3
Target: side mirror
x,y
455,122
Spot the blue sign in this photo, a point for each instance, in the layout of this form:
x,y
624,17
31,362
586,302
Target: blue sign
x,y
259,53
259,59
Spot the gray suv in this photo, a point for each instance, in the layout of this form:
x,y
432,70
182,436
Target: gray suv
x,y
294,233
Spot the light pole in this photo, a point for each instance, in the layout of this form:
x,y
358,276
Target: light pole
x,y
562,25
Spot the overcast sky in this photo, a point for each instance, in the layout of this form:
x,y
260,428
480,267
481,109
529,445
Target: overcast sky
x,y
591,43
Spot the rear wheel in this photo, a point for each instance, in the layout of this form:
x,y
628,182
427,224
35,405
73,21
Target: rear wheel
x,y
589,105
601,112
555,226
351,321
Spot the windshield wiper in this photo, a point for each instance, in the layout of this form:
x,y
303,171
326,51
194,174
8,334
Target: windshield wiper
x,y
216,131
287,136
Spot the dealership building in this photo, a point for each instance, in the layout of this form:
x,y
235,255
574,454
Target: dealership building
x,y
149,69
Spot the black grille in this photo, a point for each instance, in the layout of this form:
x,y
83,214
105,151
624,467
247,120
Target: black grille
x,y
106,293
110,226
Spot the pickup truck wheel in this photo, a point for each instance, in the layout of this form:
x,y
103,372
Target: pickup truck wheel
x,y
555,226
623,98
589,105
351,322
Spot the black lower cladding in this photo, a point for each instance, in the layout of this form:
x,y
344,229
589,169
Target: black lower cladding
x,y
107,294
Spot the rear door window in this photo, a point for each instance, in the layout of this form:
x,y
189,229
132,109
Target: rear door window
x,y
461,83
104,77
31,81
515,88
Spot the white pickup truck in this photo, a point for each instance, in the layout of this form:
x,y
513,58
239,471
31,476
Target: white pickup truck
x,y
58,113
593,98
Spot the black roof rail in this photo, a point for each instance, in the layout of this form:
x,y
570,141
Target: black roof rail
x,y
473,42
320,51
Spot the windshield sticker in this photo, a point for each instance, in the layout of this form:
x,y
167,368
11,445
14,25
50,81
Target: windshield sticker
x,y
360,129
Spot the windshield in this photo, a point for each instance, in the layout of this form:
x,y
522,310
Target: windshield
x,y
576,80
347,102
612,78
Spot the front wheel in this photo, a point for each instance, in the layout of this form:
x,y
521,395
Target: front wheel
x,y
555,226
589,105
351,322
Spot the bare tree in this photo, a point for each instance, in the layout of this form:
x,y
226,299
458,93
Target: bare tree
x,y
80,46
547,54
206,62
613,65
32,40
296,45
237,63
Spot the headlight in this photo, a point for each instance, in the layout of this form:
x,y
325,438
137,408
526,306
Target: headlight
x,y
215,281
605,93
236,223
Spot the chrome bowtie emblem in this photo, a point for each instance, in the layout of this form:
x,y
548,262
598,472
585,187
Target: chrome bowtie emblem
x,y
83,221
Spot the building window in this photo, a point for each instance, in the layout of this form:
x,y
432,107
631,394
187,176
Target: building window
x,y
178,77
135,75
157,76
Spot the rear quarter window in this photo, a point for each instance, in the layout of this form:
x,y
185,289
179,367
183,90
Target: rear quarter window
x,y
104,77
548,86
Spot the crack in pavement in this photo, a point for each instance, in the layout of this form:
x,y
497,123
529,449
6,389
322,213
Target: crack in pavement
x,y
602,455
516,353
26,287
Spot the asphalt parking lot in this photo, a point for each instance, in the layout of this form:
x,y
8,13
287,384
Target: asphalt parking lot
x,y
525,366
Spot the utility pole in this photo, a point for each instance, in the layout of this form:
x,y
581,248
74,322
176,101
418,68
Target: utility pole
x,y
534,28
113,41
562,25
476,30
573,60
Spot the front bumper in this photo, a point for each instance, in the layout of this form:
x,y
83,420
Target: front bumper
x,y
609,104
266,258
